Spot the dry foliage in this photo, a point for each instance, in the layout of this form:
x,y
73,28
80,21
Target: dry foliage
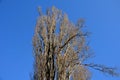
x,y
60,48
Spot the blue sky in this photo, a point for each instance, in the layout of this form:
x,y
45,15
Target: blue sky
x,y
17,23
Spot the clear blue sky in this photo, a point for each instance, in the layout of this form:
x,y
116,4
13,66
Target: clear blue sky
x,y
17,23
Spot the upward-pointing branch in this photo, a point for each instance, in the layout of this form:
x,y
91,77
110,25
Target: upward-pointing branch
x,y
78,34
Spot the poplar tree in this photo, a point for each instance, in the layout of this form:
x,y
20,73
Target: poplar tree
x,y
60,49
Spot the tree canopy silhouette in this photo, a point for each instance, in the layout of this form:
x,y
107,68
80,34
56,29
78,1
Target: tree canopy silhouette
x,y
60,49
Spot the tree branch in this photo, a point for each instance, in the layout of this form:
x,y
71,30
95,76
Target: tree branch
x,y
104,69
78,34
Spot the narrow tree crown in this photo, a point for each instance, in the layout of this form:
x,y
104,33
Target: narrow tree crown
x,y
60,48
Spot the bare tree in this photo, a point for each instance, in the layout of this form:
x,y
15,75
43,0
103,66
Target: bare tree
x,y
60,49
